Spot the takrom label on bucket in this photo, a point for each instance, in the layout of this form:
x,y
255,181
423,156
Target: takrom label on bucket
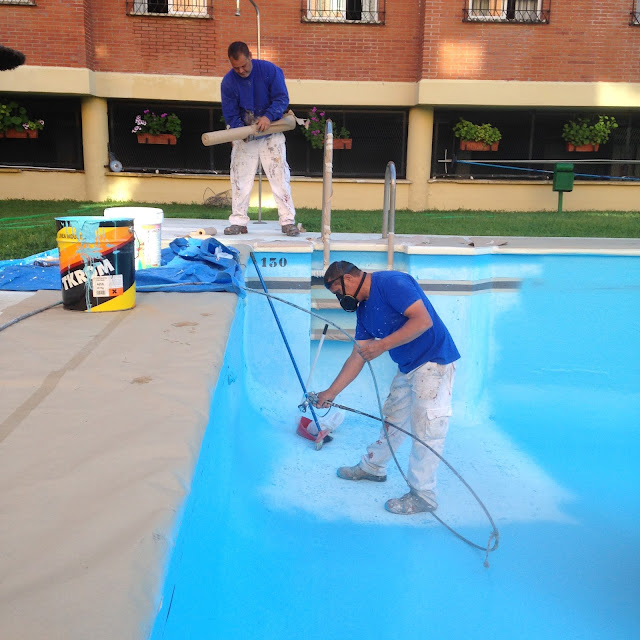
x,y
103,285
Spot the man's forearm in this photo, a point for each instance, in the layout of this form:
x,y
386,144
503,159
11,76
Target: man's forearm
x,y
349,372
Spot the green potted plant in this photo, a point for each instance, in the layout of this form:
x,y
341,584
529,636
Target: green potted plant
x,y
157,129
588,133
16,123
477,137
313,131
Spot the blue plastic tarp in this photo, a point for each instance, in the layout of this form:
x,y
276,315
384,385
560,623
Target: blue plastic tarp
x,y
209,263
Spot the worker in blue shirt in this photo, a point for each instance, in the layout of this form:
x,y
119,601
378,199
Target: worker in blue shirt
x,y
254,92
394,315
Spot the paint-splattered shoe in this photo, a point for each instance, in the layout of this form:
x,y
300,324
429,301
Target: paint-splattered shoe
x,y
235,229
290,230
358,473
409,503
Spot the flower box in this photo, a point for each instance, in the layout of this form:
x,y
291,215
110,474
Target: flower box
x,y
582,147
471,145
342,143
19,133
158,138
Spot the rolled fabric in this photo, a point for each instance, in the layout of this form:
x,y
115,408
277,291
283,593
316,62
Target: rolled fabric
x,y
204,232
240,133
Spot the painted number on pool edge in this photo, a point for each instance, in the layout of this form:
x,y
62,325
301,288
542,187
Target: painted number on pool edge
x,y
273,262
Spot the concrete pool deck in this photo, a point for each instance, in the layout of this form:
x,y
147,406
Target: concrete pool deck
x,y
101,420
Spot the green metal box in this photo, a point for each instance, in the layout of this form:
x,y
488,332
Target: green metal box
x,y
563,177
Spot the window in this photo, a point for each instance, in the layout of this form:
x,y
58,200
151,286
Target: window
x,y
531,145
379,135
635,13
184,8
58,145
30,2
508,10
362,11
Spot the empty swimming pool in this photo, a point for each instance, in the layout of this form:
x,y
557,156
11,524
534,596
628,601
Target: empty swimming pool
x,y
273,545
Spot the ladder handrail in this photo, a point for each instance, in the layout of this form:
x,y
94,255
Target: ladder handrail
x,y
389,210
327,191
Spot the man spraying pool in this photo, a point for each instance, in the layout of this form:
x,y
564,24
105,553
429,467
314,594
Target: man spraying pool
x,y
394,315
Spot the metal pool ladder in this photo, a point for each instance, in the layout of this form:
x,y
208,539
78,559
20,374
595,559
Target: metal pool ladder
x,y
388,208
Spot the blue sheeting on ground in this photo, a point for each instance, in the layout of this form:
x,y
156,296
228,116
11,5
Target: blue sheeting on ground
x,y
186,260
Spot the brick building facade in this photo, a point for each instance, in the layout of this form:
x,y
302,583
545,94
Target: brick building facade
x,y
399,74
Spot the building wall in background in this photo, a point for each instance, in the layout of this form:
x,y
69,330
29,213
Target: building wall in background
x,y
424,56
584,41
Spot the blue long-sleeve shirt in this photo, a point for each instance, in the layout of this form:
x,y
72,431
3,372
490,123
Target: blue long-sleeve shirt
x,y
262,93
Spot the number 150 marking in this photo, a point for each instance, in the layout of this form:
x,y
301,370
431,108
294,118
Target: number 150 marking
x,y
272,262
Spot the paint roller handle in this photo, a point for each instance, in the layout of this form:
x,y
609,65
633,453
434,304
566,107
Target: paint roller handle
x,y
315,360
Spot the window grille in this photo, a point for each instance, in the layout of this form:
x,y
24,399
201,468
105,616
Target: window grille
x,y
173,8
345,11
635,13
528,11
27,2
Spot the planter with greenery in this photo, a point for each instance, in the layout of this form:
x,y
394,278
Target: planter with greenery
x,y
157,129
588,133
15,122
313,131
477,137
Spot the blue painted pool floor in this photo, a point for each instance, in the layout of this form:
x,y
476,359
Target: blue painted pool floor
x,y
275,546
250,570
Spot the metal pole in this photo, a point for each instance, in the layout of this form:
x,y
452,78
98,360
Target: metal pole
x,y
389,211
259,221
255,6
327,191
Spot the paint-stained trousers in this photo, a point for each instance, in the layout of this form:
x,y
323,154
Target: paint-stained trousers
x,y
272,152
419,402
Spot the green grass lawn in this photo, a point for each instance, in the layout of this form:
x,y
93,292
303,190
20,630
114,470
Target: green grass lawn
x,y
28,227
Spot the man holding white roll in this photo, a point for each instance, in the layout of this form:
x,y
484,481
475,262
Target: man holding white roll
x,y
254,92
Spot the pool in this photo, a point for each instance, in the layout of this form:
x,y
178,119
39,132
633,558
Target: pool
x,y
273,545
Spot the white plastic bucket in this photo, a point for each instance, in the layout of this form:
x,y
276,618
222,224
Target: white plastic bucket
x,y
147,223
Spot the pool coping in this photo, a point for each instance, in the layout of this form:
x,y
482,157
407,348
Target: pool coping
x,y
267,236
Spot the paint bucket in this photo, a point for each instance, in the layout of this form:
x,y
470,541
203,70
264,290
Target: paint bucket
x,y
97,263
148,230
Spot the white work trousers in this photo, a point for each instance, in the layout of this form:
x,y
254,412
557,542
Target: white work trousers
x,y
272,152
419,402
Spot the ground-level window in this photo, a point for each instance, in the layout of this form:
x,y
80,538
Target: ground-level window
x,y
176,8
378,136
59,143
531,143
508,10
364,11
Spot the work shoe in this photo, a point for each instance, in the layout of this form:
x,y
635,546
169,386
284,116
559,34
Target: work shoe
x,y
290,230
409,503
358,473
234,230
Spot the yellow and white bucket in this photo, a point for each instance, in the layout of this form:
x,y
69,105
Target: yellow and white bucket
x,y
148,230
